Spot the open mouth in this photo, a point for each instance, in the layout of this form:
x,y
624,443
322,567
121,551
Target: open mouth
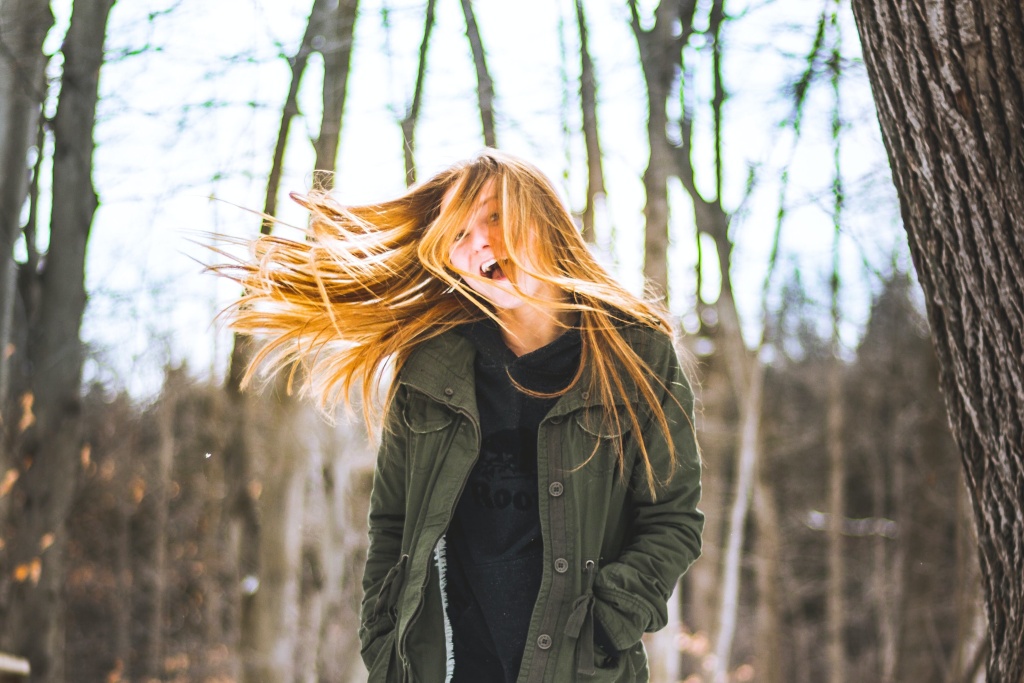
x,y
491,269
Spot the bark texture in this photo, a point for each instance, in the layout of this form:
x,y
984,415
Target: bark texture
x,y
661,58
23,27
33,618
591,137
338,36
948,81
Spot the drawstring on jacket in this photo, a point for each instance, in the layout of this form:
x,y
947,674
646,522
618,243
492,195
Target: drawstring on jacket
x,y
581,624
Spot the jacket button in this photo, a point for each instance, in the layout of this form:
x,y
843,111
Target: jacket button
x,y
557,420
544,641
561,565
556,489
448,391
585,395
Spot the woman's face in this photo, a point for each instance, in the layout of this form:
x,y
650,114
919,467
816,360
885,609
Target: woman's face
x,y
480,249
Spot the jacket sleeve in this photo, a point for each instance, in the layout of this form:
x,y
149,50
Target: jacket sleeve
x,y
632,592
382,576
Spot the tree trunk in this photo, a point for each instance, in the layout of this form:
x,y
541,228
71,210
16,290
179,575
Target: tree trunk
x,y
484,83
34,624
834,415
771,639
317,596
243,523
837,506
270,611
316,31
661,58
749,446
159,501
412,114
23,27
588,104
947,82
337,53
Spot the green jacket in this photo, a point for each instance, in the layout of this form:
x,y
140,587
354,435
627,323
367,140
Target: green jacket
x,y
611,550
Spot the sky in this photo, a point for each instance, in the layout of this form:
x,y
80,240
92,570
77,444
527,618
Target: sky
x,y
191,98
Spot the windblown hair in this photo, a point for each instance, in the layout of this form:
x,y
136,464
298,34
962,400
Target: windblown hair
x,y
372,282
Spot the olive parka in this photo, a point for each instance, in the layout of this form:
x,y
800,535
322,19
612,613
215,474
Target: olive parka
x,y
612,551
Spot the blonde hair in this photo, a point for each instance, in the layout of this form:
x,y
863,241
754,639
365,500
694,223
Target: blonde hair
x,y
370,283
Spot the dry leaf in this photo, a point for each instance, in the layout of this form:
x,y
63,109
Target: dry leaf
x,y
176,662
107,469
21,572
86,455
45,542
115,675
138,489
10,476
255,489
27,417
35,570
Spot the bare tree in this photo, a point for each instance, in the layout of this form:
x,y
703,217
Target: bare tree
x,y
317,34
591,136
159,501
947,87
835,413
661,58
484,82
336,49
23,27
33,619
412,114
267,457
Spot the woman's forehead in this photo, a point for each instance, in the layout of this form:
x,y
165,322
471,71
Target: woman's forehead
x,y
486,194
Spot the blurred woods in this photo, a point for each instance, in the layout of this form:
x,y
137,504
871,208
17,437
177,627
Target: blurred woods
x,y
839,543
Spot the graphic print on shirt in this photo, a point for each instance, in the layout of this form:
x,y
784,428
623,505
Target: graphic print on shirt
x,y
506,475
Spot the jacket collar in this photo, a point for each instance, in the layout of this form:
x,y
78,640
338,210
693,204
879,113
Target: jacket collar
x,y
442,368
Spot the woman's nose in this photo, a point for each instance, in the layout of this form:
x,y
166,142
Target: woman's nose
x,y
479,237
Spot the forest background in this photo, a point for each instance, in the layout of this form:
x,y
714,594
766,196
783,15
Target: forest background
x,y
728,153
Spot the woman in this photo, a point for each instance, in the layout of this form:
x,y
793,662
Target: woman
x,y
534,498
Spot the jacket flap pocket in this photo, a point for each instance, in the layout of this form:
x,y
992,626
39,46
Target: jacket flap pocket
x,y
424,415
602,423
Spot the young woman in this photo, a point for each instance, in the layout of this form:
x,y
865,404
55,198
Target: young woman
x,y
535,495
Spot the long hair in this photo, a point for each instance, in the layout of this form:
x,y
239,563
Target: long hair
x,y
372,282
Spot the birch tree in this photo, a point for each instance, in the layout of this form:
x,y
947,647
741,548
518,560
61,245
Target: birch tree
x,y
947,81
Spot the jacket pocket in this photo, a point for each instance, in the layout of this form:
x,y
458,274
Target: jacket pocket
x,y
629,666
428,422
603,435
383,618
385,667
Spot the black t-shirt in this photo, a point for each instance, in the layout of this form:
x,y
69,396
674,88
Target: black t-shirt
x,y
495,550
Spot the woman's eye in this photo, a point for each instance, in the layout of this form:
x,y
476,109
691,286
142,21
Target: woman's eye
x,y
494,217
461,236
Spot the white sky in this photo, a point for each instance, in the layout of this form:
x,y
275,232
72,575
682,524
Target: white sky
x,y
195,116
